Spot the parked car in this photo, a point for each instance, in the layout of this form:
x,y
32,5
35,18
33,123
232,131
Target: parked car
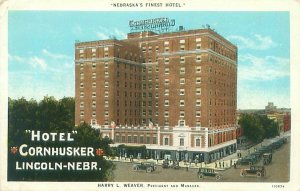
x,y
258,171
267,158
175,165
208,172
148,166
165,164
246,161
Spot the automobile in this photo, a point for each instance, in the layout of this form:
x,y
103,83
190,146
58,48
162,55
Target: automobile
x,y
267,158
175,165
209,172
246,161
147,166
258,171
165,164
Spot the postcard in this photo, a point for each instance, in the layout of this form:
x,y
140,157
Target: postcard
x,y
149,95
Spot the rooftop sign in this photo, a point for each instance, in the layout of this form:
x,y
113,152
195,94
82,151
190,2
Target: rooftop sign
x,y
162,24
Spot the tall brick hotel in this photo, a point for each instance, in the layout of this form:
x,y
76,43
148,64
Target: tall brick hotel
x,y
174,92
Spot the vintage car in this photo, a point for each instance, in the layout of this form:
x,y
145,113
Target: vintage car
x,y
147,166
258,171
208,172
165,164
267,158
246,161
175,165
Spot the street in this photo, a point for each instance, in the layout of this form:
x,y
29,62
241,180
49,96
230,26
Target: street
x,y
277,171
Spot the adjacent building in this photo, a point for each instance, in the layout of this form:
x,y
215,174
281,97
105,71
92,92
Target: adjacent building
x,y
174,92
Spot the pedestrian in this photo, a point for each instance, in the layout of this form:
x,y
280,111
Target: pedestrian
x,y
230,162
219,164
234,164
223,164
187,167
216,165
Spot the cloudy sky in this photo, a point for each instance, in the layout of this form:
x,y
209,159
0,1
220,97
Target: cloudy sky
x,y
41,49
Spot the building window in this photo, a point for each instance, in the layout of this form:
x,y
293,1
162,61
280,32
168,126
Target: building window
x,y
81,104
106,84
198,39
181,141
117,139
94,103
93,65
182,92
182,59
181,123
166,141
166,43
198,80
166,113
106,94
182,41
156,86
94,114
144,49
166,92
153,140
105,48
198,124
181,114
106,74
182,80
94,84
198,69
156,48
167,49
198,102
94,94
81,85
134,139
81,75
197,142
166,82
129,139
198,58
106,65
106,103
198,91
167,70
167,60
81,51
198,113
141,139
81,113
182,47
106,113
94,75
182,70
181,103
198,46
81,94
166,103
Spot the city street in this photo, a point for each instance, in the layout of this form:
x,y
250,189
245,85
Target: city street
x,y
277,171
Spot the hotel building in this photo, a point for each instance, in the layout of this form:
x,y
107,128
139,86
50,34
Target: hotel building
x,y
175,92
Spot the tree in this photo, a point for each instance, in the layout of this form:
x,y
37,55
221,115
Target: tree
x,y
258,127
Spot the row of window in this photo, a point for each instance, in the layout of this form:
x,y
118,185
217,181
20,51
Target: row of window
x,y
182,114
167,44
134,139
182,102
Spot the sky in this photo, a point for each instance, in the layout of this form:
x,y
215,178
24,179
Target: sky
x,y
41,49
